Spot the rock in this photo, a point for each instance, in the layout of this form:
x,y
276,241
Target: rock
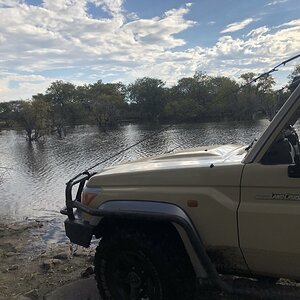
x,y
33,294
2,252
7,247
88,272
13,267
82,289
24,298
62,255
39,224
91,259
2,232
79,254
56,261
47,264
9,254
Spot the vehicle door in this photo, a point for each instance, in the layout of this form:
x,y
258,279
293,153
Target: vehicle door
x,y
269,212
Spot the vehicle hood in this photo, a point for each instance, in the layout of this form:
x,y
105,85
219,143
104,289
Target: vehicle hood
x,y
173,169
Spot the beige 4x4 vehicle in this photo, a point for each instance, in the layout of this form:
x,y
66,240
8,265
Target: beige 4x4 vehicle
x,y
170,222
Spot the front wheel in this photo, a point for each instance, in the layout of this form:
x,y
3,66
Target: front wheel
x,y
134,266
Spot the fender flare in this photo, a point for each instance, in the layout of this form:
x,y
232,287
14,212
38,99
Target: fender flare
x,y
161,211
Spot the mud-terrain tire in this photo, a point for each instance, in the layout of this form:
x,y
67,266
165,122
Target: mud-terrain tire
x,y
132,265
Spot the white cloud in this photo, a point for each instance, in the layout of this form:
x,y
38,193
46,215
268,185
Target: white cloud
x,y
10,3
258,31
112,6
237,25
3,87
25,86
289,24
62,34
258,51
2,39
46,51
276,2
158,32
132,16
69,8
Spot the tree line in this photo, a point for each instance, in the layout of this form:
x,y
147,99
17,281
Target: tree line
x,y
193,99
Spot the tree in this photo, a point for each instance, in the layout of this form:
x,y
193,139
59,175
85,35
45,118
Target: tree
x,y
294,78
266,95
182,110
223,103
196,98
34,116
149,96
259,95
10,112
60,96
196,90
187,100
6,118
81,104
105,102
106,111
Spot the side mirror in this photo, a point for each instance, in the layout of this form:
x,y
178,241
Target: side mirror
x,y
294,171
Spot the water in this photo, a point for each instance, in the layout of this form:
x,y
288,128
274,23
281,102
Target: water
x,y
33,186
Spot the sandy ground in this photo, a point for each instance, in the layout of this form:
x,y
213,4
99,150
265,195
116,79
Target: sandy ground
x,y
30,268
33,269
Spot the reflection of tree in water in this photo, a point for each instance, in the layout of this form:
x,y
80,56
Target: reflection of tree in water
x,y
4,173
4,168
156,144
144,137
31,158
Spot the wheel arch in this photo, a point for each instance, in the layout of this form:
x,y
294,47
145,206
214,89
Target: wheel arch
x,y
149,215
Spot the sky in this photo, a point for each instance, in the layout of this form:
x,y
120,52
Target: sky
x,y
83,41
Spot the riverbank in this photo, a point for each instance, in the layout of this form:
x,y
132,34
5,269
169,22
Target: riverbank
x,y
31,268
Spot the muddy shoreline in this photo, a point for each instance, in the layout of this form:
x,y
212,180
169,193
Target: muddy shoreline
x,y
30,268
34,268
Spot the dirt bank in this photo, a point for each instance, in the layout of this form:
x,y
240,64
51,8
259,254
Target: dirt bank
x,y
30,267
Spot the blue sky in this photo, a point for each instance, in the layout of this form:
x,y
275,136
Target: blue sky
x,y
83,41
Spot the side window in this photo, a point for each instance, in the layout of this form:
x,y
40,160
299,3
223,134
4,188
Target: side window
x,y
281,152
285,150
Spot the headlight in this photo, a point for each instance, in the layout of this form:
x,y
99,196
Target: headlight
x,y
88,194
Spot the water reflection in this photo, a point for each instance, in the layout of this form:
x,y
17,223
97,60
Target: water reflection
x,y
35,185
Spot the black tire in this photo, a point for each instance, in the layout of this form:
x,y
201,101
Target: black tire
x,y
136,266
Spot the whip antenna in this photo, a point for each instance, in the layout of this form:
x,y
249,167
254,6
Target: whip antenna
x,y
274,69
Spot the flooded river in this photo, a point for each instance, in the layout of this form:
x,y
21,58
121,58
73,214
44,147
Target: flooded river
x,y
33,184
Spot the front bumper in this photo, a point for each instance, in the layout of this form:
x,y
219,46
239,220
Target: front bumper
x,y
78,231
